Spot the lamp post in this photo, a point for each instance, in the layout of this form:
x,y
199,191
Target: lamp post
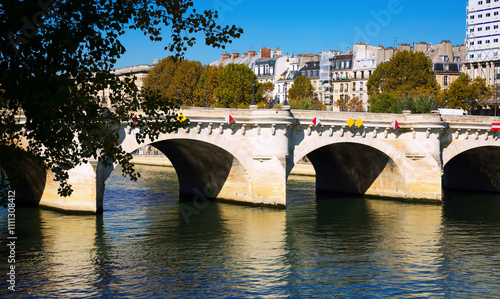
x,y
470,106
406,99
253,94
285,103
177,88
341,102
406,110
206,97
435,110
316,101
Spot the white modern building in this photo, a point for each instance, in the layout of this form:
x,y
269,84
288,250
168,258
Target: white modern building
x,y
483,30
483,39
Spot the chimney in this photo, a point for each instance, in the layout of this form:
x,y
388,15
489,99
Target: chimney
x,y
265,53
251,53
224,57
235,55
278,52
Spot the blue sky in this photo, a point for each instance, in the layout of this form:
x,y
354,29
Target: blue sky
x,y
314,26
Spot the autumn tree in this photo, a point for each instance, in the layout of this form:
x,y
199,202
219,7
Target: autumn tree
x,y
301,89
467,94
172,77
209,81
353,104
267,93
406,69
235,86
56,58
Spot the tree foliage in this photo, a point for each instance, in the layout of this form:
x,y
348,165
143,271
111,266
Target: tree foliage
x,y
209,81
352,104
267,93
389,103
306,104
172,74
412,70
301,89
56,58
466,93
405,70
235,86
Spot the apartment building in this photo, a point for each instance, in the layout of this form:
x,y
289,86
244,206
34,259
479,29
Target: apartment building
x,y
483,39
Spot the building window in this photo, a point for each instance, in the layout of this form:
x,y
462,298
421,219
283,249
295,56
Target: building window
x,y
471,43
487,41
472,17
488,14
495,40
360,86
480,29
487,28
479,2
479,42
362,74
471,30
347,87
354,75
479,16
495,13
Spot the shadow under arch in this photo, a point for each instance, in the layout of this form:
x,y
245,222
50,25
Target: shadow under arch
x,y
356,169
204,170
25,173
476,169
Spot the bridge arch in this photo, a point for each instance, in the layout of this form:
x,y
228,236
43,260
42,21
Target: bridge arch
x,y
25,173
207,166
472,166
355,166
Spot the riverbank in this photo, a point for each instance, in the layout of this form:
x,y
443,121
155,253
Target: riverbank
x,y
305,169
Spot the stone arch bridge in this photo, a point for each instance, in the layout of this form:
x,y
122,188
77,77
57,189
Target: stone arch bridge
x,y
250,159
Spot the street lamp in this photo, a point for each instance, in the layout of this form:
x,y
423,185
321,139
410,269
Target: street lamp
x,y
316,101
285,103
435,109
470,106
206,97
253,94
406,99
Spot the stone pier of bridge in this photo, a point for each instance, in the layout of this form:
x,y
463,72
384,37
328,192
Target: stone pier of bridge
x,y
250,159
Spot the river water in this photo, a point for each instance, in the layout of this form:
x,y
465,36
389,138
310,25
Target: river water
x,y
147,245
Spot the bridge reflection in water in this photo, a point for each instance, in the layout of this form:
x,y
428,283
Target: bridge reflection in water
x,y
143,246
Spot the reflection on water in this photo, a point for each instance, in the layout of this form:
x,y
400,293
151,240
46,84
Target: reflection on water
x,y
347,247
